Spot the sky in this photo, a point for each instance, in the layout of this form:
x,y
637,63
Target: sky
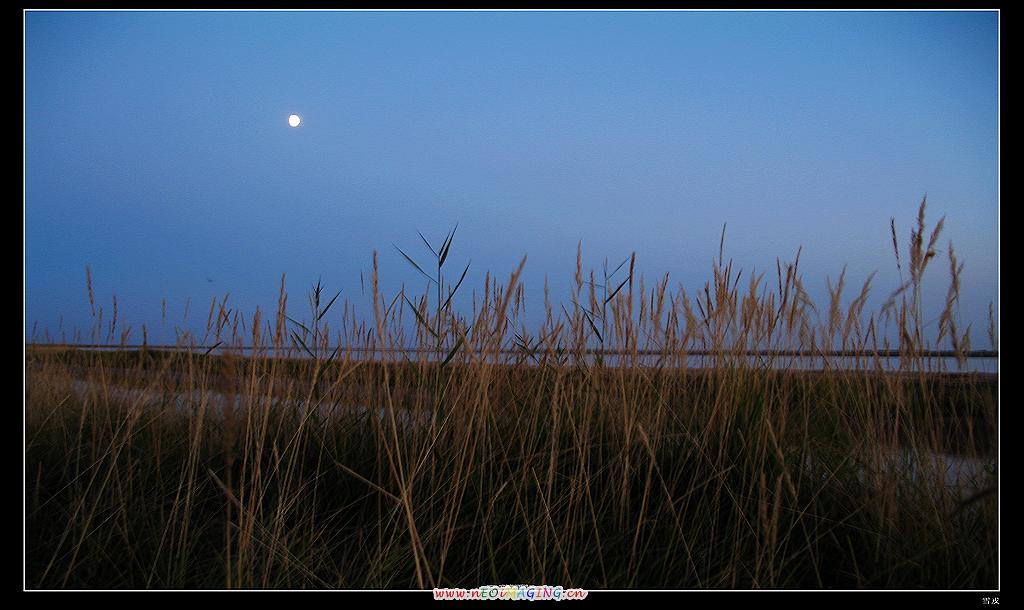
x,y
158,150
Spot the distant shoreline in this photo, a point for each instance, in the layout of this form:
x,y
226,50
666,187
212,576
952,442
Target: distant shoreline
x,y
971,354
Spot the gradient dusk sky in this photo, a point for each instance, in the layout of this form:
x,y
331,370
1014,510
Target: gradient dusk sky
x,y
158,150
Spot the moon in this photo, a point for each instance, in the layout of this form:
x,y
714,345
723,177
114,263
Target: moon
x,y
294,120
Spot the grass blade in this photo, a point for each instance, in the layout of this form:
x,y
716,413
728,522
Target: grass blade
x,y
452,292
300,324
616,291
298,339
419,318
443,254
451,354
324,312
413,263
429,247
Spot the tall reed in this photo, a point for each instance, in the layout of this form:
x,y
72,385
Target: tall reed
x,y
596,450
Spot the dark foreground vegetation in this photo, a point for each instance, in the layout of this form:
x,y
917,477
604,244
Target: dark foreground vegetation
x,y
497,456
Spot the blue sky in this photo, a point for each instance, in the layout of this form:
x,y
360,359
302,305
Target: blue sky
x,y
157,148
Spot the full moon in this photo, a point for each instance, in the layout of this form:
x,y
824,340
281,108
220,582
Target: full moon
x,y
294,120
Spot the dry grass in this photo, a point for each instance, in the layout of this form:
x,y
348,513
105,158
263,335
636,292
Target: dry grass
x,y
588,452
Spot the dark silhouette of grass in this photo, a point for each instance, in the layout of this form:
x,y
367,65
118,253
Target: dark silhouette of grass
x,y
496,455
